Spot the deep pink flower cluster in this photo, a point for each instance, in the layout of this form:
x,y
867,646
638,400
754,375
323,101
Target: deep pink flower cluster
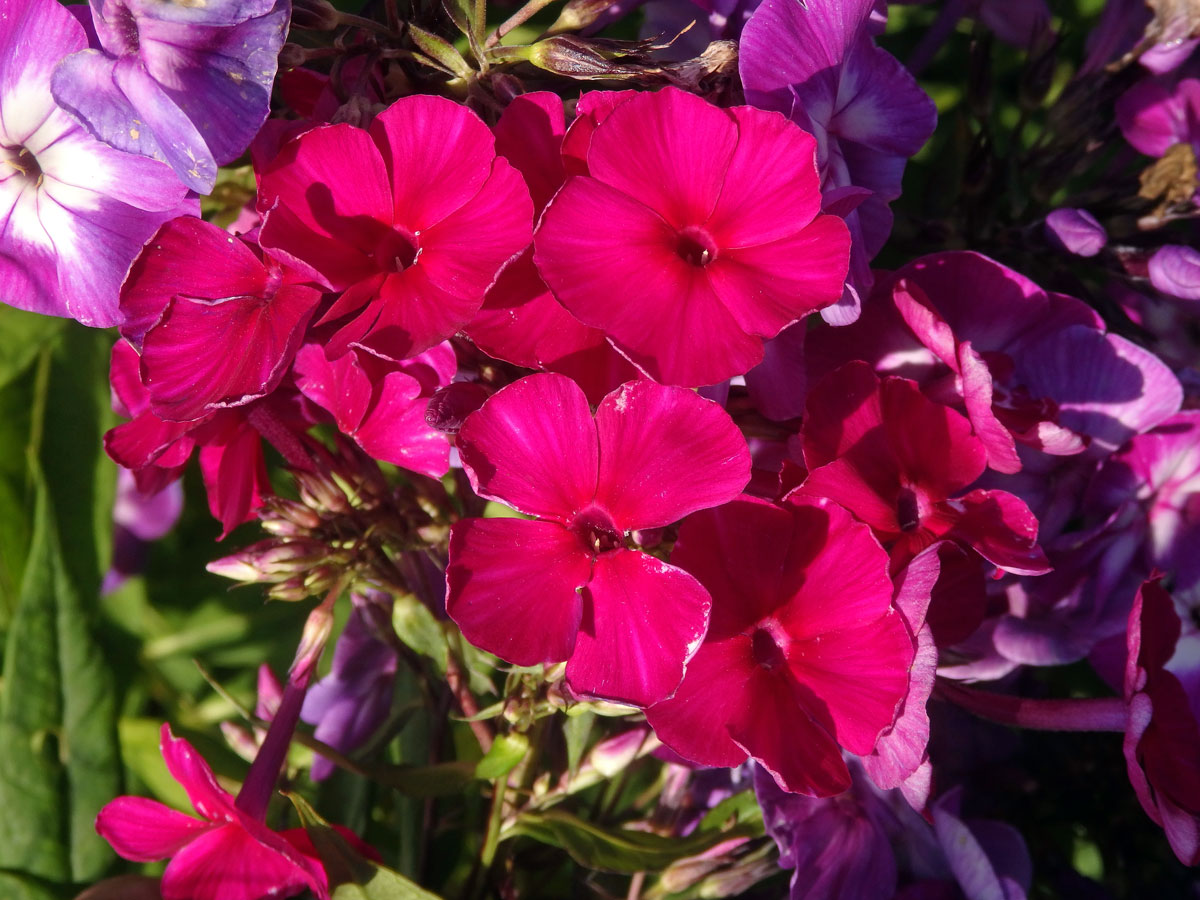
x,y
773,533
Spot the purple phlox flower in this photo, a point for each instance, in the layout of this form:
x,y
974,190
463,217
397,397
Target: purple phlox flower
x,y
139,519
349,703
188,84
1155,115
1175,270
73,211
989,859
1076,231
1130,26
817,62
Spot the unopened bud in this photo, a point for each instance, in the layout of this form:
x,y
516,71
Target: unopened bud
x,y
240,740
292,56
574,57
578,14
269,561
321,494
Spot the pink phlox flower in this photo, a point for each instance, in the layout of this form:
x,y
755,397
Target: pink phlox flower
x,y
1162,735
565,585
382,404
223,855
410,220
805,654
217,322
156,450
901,463
695,235
520,321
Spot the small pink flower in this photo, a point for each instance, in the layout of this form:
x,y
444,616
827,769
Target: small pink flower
x,y
411,220
805,654
565,586
695,234
900,463
224,855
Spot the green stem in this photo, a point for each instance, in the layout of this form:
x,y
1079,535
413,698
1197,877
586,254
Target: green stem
x,y
492,839
520,17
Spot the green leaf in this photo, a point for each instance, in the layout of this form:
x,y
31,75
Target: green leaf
x,y
351,877
576,729
616,850
742,807
447,58
15,886
60,763
506,752
440,780
22,335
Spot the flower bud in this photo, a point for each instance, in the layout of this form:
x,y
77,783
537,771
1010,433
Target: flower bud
x,y
578,14
575,58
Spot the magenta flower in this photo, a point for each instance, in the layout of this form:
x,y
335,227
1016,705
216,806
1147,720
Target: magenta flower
x,y
1175,270
185,83
565,586
381,404
223,855
901,464
805,654
1162,734
217,323
73,212
1154,115
817,63
412,220
520,321
695,235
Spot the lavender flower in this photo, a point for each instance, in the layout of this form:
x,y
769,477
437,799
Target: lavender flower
x,y
188,84
73,212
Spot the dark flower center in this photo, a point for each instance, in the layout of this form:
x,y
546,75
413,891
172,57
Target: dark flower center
x,y
767,652
908,513
24,162
397,250
597,530
695,246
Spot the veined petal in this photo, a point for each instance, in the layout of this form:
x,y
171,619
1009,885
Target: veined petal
x,y
182,145
669,149
694,722
768,286
533,446
193,773
227,863
642,621
771,189
438,155
665,452
513,587
334,231
143,830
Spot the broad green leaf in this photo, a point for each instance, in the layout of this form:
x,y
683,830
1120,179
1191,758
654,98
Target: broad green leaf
x,y
140,752
22,335
506,752
351,877
60,763
15,886
616,849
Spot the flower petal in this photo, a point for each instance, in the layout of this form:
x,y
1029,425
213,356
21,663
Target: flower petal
x,y
143,830
642,621
513,587
665,452
533,446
